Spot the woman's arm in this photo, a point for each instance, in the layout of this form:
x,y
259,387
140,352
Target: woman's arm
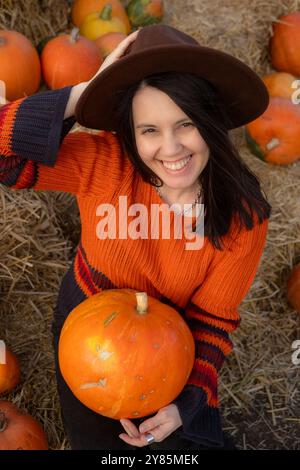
x,y
231,275
32,131
198,402
75,94
37,150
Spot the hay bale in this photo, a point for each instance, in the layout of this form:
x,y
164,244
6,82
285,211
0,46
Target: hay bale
x,y
36,19
40,231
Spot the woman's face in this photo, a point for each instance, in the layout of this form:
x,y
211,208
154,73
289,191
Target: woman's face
x,y
165,136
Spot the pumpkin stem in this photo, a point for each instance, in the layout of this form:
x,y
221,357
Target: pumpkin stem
x,y
106,12
141,302
3,421
273,143
74,35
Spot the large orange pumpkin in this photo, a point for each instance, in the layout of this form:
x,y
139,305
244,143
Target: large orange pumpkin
x,y
81,8
19,431
69,59
284,44
280,84
9,371
274,136
125,354
293,288
20,67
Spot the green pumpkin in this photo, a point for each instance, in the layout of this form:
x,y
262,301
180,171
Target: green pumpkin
x,y
144,12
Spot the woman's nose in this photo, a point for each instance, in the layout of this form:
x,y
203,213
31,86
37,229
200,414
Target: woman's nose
x,y
170,146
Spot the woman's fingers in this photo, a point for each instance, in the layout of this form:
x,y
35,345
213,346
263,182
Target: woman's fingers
x,y
118,52
122,46
130,428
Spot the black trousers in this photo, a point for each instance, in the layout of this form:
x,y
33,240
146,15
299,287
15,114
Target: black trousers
x,y
87,430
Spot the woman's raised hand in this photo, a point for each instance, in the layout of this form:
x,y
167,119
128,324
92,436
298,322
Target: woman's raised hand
x,y
77,90
117,53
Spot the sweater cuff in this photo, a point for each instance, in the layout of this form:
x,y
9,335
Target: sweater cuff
x,y
200,422
39,125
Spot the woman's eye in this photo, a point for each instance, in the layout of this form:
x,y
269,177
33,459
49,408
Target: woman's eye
x,y
147,130
185,124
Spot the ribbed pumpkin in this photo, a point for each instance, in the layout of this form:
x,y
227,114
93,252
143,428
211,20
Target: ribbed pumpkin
x,y
20,65
81,8
284,44
125,354
108,42
280,84
69,59
20,431
293,288
101,22
9,371
274,136
145,12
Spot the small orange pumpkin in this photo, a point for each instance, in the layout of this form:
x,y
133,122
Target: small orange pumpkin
x,y
69,59
108,42
283,45
20,65
20,431
280,84
125,354
274,136
293,288
81,8
9,371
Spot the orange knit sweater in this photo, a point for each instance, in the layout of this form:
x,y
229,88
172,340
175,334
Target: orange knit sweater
x,y
205,284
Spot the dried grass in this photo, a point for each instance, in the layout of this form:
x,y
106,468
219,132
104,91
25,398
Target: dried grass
x,y
36,19
39,232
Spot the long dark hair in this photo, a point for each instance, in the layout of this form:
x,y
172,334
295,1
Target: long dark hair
x,y
229,186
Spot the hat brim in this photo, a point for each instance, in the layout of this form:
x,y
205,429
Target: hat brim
x,y
242,91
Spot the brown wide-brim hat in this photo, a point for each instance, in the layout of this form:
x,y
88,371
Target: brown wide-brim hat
x,y
162,48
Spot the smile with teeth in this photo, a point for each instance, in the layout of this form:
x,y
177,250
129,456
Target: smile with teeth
x,y
177,166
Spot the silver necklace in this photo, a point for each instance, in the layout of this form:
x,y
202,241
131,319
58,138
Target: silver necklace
x,y
190,206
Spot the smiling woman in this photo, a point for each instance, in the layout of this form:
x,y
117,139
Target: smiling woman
x,y
184,143
174,117
174,149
